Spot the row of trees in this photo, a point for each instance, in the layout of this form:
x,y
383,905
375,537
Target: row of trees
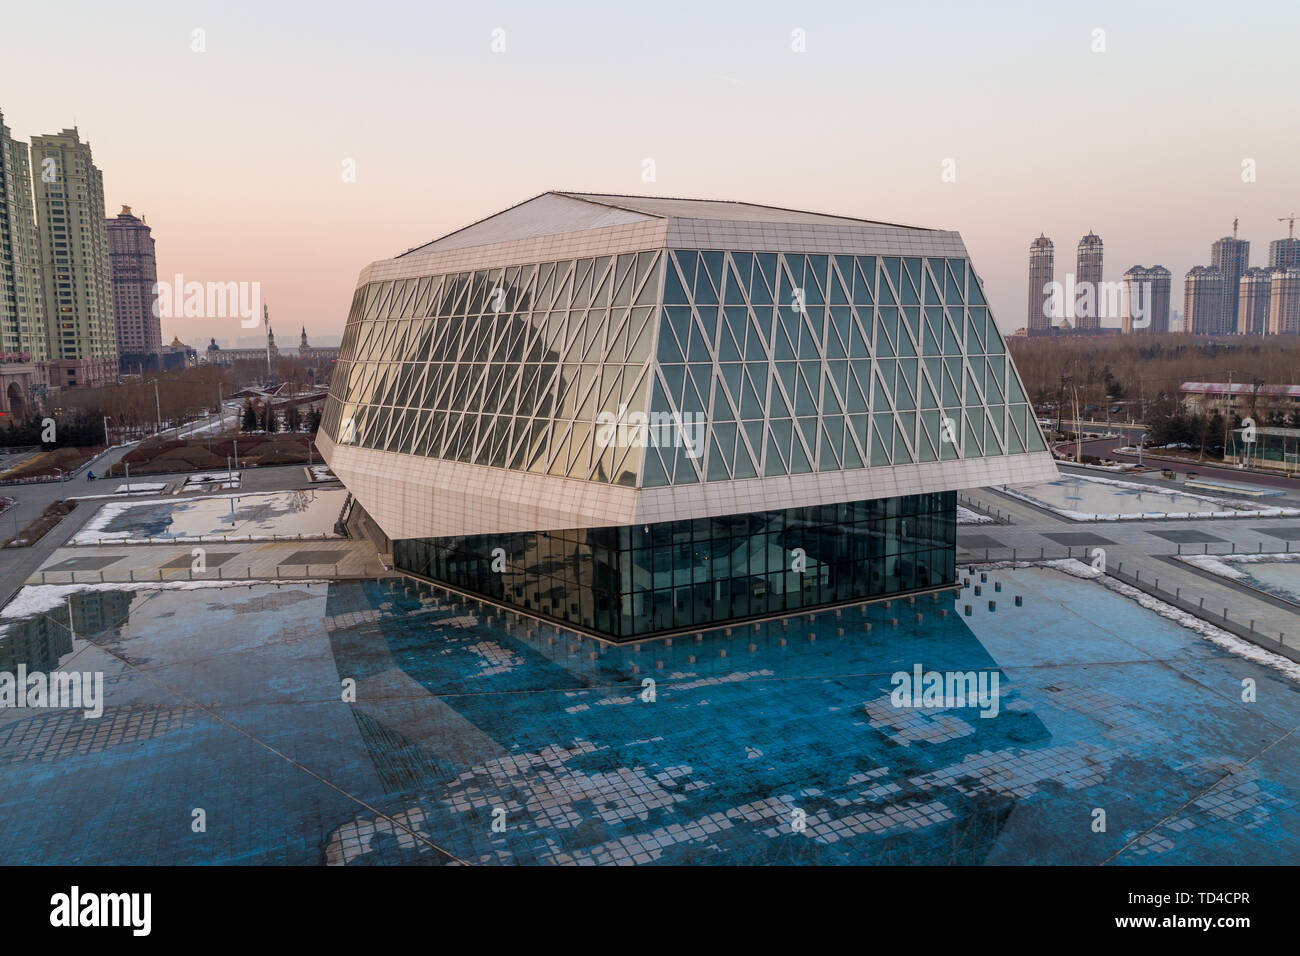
x,y
70,430
1205,433
1146,371
139,403
262,416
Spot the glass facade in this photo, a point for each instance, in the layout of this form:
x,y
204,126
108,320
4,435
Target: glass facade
x,y
781,363
631,582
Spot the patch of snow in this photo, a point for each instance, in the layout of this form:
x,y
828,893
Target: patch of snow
x,y
966,516
207,477
135,487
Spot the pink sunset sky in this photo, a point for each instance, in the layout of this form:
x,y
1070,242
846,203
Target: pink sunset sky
x,y
235,154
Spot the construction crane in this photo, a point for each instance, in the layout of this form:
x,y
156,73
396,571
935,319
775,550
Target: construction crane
x,y
1290,219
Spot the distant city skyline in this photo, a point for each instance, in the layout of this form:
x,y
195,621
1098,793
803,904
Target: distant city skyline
x,y
238,156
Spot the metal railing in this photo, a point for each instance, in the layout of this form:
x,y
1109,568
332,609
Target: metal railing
x,y
203,539
173,575
1001,517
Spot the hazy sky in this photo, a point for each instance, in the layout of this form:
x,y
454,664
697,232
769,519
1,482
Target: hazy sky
x,y
235,155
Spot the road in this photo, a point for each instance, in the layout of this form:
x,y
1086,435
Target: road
x,y
1105,448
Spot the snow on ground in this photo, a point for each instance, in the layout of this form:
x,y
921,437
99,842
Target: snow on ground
x,y
229,418
966,516
320,473
1224,639
1230,566
221,486
213,481
1231,509
308,515
207,477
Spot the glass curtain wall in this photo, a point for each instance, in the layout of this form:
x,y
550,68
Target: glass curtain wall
x,y
634,581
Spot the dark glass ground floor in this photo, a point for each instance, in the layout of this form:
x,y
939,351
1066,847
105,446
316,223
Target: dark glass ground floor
x,y
631,582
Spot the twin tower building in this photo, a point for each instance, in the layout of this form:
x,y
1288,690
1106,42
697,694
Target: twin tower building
x,y
1140,302
1227,297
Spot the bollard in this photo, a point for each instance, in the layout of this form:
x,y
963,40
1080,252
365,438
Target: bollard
x,y
918,618
943,612
866,626
1019,601
967,610
993,605
977,590
893,622
997,586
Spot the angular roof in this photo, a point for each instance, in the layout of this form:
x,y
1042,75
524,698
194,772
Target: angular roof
x,y
553,213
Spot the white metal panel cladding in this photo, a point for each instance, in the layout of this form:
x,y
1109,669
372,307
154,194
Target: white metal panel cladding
x,y
774,365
